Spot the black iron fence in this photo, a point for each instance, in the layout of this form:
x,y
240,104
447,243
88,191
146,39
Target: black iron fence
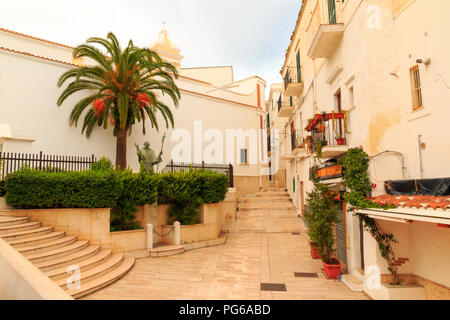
x,y
226,169
11,162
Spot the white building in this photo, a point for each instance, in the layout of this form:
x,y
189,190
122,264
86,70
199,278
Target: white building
x,y
211,101
382,64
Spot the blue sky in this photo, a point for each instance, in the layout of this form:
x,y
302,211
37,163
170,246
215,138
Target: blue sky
x,y
250,35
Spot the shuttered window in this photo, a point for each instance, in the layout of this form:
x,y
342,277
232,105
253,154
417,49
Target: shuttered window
x,y
416,88
299,73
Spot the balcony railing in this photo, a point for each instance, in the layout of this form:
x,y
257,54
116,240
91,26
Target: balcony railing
x,y
297,140
293,85
329,129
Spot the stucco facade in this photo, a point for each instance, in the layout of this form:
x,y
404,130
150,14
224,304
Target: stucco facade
x,y
357,62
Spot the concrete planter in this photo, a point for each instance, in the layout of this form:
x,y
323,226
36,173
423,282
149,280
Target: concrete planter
x,y
404,292
209,228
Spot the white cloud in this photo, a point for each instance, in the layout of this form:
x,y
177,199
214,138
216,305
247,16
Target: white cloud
x,y
250,35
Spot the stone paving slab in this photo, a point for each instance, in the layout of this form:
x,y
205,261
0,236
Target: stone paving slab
x,y
235,270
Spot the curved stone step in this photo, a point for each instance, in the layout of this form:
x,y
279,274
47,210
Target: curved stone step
x,y
19,227
68,260
84,265
47,246
59,252
104,280
96,272
37,240
26,234
10,221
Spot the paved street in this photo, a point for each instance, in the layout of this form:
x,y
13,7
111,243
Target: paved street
x,y
262,247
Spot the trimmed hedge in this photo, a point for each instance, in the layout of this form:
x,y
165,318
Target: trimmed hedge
x,y
185,186
28,189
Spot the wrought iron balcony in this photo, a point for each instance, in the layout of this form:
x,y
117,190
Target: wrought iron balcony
x,y
285,109
297,142
293,85
329,133
325,30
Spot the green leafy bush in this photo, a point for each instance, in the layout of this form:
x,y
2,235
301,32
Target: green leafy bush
x,y
322,214
2,188
187,190
29,189
214,186
137,189
104,164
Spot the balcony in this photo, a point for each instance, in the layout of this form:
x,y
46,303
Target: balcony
x,y
326,29
293,85
328,133
285,109
298,144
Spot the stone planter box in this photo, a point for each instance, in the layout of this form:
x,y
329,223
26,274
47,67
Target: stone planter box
x,y
404,292
209,228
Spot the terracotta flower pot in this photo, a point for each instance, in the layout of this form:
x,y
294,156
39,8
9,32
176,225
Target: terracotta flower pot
x,y
340,141
333,271
314,253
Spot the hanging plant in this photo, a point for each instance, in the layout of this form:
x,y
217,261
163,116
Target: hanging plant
x,y
355,165
319,149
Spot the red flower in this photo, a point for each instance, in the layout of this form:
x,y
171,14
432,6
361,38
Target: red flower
x,y
143,100
99,106
374,185
112,121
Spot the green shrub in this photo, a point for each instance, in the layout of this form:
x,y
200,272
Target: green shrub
x,y
104,164
214,186
2,188
185,213
29,189
137,189
187,190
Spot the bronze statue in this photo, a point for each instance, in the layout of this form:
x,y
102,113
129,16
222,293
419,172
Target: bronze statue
x,y
147,157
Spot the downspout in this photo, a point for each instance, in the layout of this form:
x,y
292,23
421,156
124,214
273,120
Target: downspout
x,y
420,155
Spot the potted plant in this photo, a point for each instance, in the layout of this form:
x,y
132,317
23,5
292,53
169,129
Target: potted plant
x,y
314,252
322,214
340,140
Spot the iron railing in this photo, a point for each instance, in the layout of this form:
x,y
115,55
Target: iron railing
x,y
293,75
226,169
297,139
332,12
333,134
11,162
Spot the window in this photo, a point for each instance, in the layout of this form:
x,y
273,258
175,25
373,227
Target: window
x,y
416,89
291,101
243,156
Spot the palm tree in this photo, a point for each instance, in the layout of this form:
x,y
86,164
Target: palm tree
x,y
122,88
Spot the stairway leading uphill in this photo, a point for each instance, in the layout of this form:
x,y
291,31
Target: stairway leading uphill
x,y
54,251
269,210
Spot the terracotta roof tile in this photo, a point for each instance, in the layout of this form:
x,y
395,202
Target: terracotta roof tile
x,y
415,201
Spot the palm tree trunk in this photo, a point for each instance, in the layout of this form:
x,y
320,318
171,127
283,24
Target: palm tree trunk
x,y
121,149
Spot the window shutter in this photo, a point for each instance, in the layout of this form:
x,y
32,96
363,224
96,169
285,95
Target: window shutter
x,y
299,73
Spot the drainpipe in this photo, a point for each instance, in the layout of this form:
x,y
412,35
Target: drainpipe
x,y
420,155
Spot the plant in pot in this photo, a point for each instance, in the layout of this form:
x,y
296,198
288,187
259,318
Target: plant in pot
x,y
322,214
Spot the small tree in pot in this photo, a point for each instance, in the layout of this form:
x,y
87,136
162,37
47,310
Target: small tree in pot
x,y
322,214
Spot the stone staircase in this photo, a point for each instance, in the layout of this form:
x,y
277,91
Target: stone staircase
x,y
269,210
54,251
